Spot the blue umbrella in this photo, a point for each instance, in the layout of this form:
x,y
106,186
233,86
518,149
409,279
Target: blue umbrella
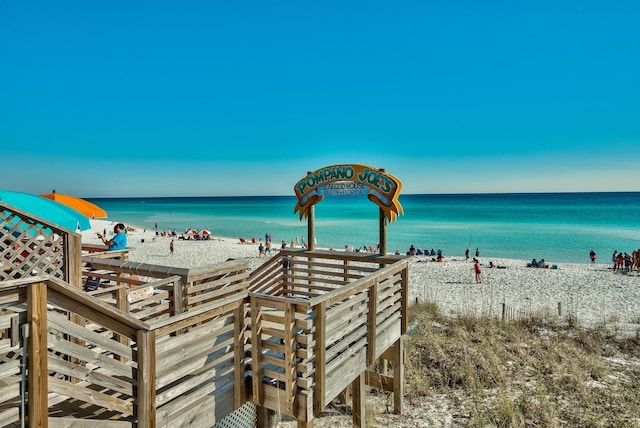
x,y
46,209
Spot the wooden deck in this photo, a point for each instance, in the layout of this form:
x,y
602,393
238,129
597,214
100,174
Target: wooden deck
x,y
156,345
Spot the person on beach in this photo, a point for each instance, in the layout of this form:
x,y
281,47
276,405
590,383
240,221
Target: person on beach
x,y
478,270
619,261
119,240
261,251
477,253
592,255
466,254
267,248
627,262
614,259
171,244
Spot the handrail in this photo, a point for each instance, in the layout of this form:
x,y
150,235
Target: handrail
x,y
280,299
204,271
198,311
341,255
91,308
138,268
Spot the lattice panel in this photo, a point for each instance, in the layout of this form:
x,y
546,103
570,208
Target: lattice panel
x,y
243,417
28,247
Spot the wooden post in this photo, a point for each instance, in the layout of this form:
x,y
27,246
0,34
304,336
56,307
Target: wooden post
x,y
383,234
145,408
321,357
359,401
371,324
559,309
73,259
256,352
38,384
289,362
405,300
311,227
398,376
345,395
238,358
179,287
504,315
383,229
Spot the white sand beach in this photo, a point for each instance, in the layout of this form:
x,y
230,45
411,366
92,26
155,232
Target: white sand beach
x,y
591,293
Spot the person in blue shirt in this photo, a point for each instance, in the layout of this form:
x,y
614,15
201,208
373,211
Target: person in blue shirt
x,y
119,240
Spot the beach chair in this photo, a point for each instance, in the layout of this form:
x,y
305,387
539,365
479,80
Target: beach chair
x,y
91,284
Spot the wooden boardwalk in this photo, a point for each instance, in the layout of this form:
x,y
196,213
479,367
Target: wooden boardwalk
x,y
156,345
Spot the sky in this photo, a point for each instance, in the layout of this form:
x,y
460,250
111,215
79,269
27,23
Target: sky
x,y
234,98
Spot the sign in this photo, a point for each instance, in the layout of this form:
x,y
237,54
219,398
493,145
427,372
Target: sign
x,y
381,188
139,294
343,188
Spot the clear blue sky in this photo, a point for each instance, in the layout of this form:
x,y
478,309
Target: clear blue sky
x,y
189,98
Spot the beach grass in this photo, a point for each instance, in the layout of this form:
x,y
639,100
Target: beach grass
x,y
528,372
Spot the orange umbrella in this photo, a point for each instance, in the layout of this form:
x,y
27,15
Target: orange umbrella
x,y
81,205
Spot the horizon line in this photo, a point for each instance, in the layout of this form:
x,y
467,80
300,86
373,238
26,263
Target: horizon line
x,y
402,194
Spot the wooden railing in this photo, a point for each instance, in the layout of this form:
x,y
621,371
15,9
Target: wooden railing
x,y
175,371
31,246
331,316
178,347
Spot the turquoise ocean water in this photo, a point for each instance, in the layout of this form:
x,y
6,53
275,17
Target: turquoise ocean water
x,y
559,227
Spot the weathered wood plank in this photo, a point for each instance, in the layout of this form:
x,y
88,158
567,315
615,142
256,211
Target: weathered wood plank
x,y
62,324
183,401
38,378
93,376
196,363
203,412
321,358
359,402
95,310
145,392
256,350
10,415
289,355
79,392
239,330
229,282
379,381
69,422
193,346
198,314
202,380
10,389
398,376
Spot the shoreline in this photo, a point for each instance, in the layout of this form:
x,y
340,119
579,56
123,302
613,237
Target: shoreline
x,y
590,293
